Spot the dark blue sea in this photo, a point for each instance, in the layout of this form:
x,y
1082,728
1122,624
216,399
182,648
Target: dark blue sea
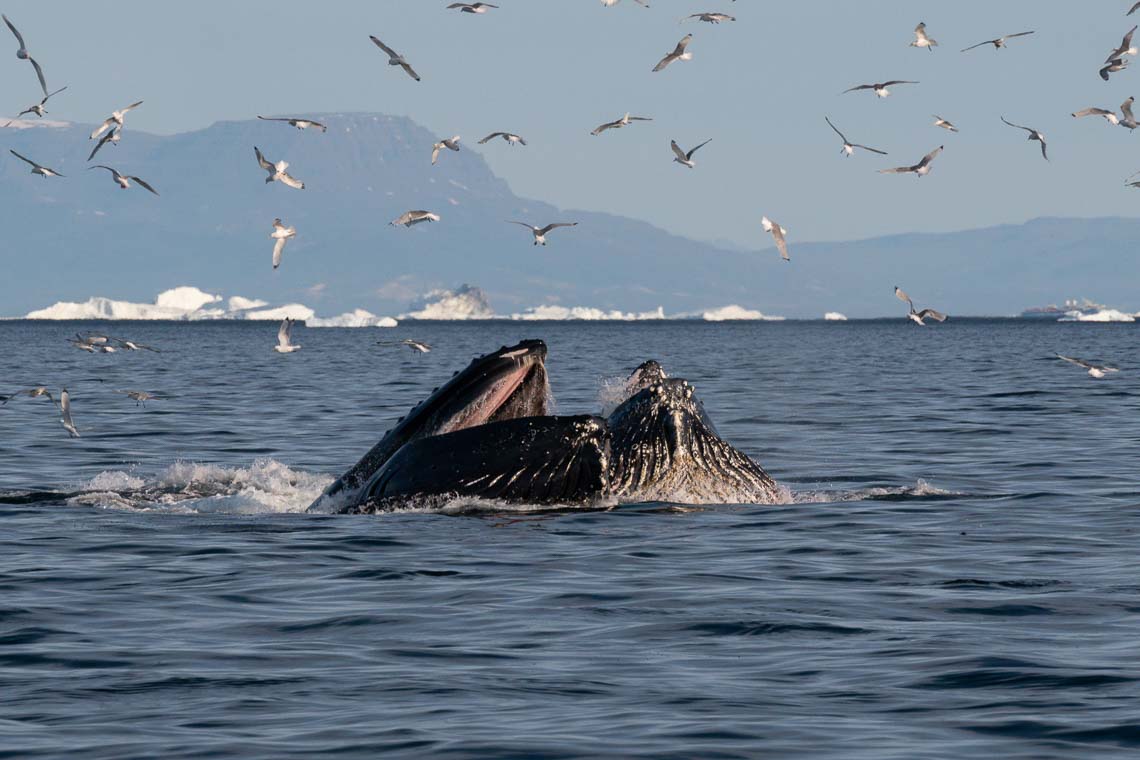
x,y
956,572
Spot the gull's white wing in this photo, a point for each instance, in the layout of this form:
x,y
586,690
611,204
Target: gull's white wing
x,y
291,181
278,247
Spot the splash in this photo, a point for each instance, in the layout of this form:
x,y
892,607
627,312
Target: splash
x,y
919,490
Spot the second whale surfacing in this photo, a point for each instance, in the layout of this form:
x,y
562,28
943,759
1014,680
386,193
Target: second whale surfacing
x,y
485,435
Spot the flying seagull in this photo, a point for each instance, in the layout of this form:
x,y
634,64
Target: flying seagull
x,y
921,40
1125,48
998,43
472,7
23,55
451,143
1033,135
281,234
940,122
298,123
683,158
38,109
123,180
112,137
1113,66
921,169
848,146
711,18
624,121
140,397
32,393
1109,116
1094,370
678,54
880,88
611,3
395,59
540,233
411,218
65,414
1129,121
284,333
919,317
778,234
115,119
43,171
277,171
130,345
511,139
414,345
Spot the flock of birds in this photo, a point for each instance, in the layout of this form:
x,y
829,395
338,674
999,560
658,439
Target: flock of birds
x,y
110,131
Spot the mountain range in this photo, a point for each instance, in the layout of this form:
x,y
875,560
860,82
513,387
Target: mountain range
x,y
79,236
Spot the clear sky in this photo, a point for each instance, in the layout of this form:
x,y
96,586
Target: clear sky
x,y
551,70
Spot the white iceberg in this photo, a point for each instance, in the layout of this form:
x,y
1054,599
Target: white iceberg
x,y
191,304
732,313
1103,315
585,313
467,302
835,316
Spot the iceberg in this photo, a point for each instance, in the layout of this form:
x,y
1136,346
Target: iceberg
x,y
191,304
1103,315
584,313
835,316
467,302
732,313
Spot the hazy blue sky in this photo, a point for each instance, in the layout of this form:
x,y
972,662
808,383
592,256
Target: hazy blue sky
x,y
552,70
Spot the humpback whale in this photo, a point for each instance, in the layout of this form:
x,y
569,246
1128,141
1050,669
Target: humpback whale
x,y
486,434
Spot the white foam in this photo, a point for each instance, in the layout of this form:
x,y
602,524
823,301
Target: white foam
x,y
835,316
920,488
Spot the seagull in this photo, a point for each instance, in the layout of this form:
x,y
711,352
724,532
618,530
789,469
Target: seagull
x,y
511,139
472,7
848,146
65,414
540,233
112,137
611,3
451,143
1109,116
918,317
23,55
298,123
414,345
1094,370
683,158
1129,121
921,169
281,234
678,54
1033,135
116,118
1132,9
1124,49
410,218
43,171
778,234
940,122
130,345
921,40
712,18
123,180
38,109
140,397
32,393
880,88
395,59
624,121
1115,65
277,171
999,43
283,334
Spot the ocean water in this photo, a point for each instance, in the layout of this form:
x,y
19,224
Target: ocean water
x,y
954,572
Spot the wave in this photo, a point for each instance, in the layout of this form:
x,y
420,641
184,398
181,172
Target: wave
x,y
190,304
